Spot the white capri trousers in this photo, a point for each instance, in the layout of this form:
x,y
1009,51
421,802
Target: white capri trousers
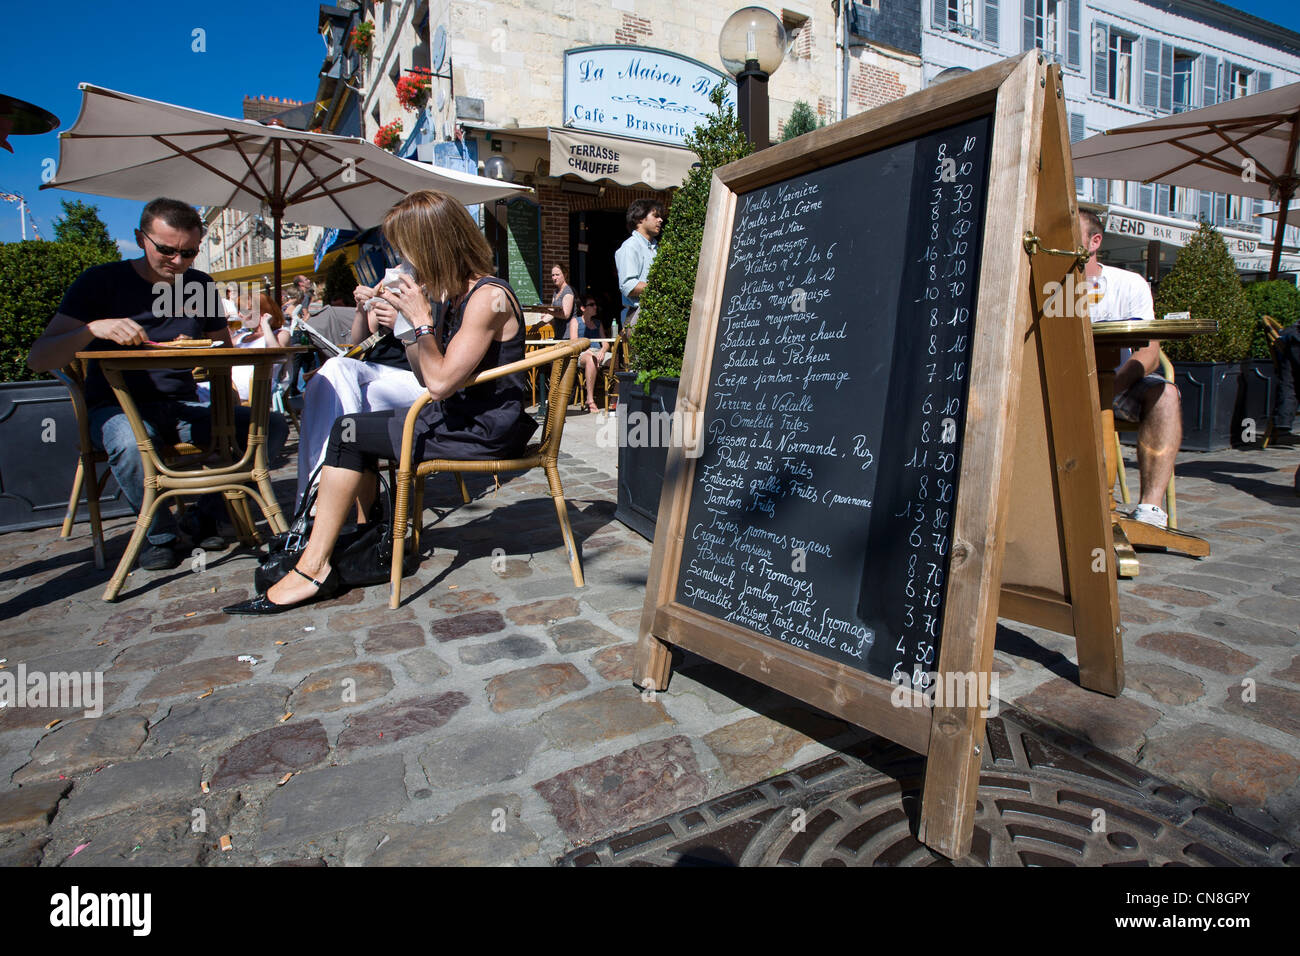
x,y
344,386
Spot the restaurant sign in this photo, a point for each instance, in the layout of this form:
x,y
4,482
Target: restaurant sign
x,y
1117,225
639,92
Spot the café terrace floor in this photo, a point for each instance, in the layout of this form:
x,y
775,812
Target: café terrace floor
x,y
491,720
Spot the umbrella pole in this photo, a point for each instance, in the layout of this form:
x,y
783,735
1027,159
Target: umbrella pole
x,y
1285,197
277,214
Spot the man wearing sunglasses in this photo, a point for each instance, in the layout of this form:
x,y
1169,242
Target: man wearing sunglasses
x,y
116,305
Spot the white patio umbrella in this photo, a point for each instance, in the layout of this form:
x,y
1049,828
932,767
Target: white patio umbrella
x,y
129,147
1245,146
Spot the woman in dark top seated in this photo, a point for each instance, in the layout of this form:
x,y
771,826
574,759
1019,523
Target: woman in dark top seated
x,y
482,328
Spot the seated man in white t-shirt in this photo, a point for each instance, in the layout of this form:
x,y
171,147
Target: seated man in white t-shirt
x,y
1142,394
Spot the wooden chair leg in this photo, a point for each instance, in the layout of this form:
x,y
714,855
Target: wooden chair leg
x,y
70,518
561,510
152,502
464,492
1119,462
401,495
1171,504
417,523
96,525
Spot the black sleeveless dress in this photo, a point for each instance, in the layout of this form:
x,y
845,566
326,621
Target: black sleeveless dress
x,y
482,422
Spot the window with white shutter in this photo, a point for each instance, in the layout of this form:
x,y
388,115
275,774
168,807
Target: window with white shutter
x,y
1209,80
991,22
1077,132
1100,59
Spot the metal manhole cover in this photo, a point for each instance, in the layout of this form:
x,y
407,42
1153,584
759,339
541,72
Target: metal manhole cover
x,y
1045,799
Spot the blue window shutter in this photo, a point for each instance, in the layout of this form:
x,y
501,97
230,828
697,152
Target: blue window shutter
x,y
1210,81
1220,208
1205,205
1167,77
1027,6
991,22
1265,81
939,14
1100,59
1072,34
1151,72
1101,190
1162,199
1146,197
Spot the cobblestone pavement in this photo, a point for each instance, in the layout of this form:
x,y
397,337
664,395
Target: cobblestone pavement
x,y
491,719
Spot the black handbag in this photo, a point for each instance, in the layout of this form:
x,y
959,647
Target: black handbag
x,y
363,554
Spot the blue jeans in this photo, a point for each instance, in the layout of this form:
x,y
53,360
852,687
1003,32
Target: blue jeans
x,y
170,422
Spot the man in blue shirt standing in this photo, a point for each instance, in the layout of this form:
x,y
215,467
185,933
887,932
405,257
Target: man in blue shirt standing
x,y
157,298
645,219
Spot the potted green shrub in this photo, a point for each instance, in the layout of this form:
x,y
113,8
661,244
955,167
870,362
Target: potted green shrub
x,y
38,427
1208,368
659,338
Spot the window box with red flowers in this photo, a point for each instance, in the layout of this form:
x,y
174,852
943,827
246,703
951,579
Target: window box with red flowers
x,y
413,91
389,136
363,36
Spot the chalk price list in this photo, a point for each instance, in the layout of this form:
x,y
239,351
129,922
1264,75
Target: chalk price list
x,y
945,302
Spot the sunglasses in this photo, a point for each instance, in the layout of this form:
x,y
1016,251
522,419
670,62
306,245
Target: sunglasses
x,y
169,251
589,305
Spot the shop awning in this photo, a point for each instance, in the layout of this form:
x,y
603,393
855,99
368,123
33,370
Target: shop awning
x,y
628,162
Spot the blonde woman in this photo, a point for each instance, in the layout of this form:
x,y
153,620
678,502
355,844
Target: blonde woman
x,y
482,327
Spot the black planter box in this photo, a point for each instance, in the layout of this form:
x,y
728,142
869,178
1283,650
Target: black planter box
x,y
641,466
38,458
1257,400
1209,394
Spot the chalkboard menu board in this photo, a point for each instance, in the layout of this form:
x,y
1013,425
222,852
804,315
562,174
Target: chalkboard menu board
x,y
823,499
524,228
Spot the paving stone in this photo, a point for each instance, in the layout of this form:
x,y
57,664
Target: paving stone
x,y
228,712
1289,587
188,584
479,758
574,636
85,744
197,677
629,621
1117,725
162,652
1275,706
156,837
462,600
1135,611
484,832
24,852
759,747
125,786
610,713
347,622
543,612
1240,569
1255,528
1208,582
391,638
390,723
468,625
1274,609
516,647
125,624
329,690
1236,631
270,754
1166,684
1198,651
424,666
620,791
1291,673
191,623
1165,594
533,686
1224,766
29,718
346,599
32,806
321,802
312,652
1002,667
615,663
202,603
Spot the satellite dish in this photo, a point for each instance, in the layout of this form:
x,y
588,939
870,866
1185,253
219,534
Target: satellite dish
x,y
439,52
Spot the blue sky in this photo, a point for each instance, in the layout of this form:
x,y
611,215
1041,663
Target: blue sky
x,y
266,48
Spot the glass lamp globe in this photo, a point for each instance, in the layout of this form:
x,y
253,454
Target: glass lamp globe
x,y
752,33
497,166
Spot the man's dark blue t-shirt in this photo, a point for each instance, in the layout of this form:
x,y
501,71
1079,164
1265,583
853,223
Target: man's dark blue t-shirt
x,y
115,291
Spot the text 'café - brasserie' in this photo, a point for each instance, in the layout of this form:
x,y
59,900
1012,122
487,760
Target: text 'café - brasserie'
x,y
620,135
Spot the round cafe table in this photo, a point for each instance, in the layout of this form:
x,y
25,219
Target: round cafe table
x,y
1108,338
239,475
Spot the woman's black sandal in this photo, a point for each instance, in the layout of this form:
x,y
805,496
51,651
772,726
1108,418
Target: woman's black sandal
x,y
263,605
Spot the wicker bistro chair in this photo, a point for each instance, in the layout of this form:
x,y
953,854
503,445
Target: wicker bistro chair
x,y
563,358
621,355
87,475
1171,502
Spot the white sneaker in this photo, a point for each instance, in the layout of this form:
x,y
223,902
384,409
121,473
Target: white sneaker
x,y
1151,514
